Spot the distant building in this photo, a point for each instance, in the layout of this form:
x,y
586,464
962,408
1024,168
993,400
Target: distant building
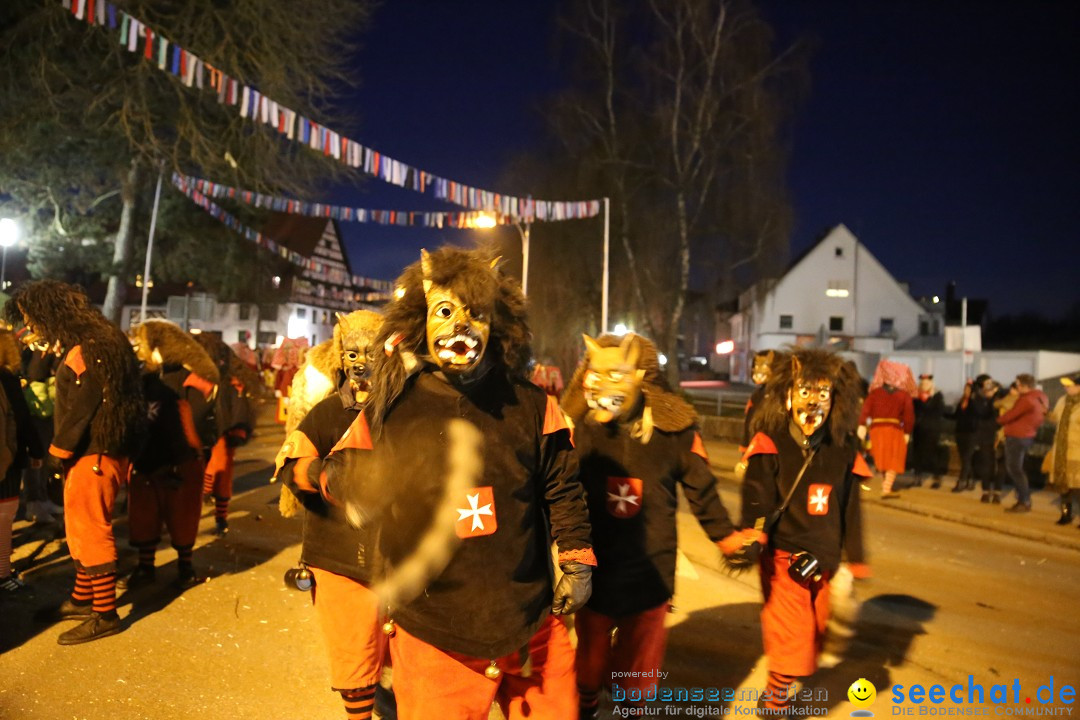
x,y
835,294
315,295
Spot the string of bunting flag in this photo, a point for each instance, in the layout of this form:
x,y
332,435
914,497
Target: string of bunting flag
x,y
404,218
195,72
315,269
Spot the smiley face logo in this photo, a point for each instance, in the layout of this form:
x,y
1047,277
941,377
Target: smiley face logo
x,y
862,694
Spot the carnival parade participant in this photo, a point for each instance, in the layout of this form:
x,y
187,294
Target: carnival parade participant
x,y
180,382
637,442
97,418
472,464
235,418
802,488
334,552
890,412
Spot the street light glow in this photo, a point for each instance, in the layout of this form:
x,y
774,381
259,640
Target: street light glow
x,y
620,329
484,221
725,347
9,232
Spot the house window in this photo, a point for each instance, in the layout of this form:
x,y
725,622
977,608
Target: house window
x,y
267,338
270,313
839,252
886,326
301,313
837,289
924,328
836,324
786,322
245,311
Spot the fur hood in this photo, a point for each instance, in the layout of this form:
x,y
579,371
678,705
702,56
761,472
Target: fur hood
x,y
670,413
177,347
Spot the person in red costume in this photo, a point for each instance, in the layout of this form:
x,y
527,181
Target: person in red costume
x,y
890,413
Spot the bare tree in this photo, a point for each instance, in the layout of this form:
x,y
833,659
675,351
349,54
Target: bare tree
x,y
679,109
85,125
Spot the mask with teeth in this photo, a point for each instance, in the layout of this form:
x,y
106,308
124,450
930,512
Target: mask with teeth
x,y
457,335
760,372
809,400
612,384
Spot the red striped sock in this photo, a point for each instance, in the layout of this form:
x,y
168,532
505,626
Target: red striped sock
x,y
589,703
221,508
104,592
207,483
359,704
183,555
780,689
146,556
83,593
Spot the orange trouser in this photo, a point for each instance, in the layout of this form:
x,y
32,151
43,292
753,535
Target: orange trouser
x,y
218,476
172,496
793,618
349,616
90,487
429,682
638,651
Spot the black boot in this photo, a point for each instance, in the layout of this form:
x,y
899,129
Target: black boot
x,y
99,625
141,576
959,487
186,577
1066,512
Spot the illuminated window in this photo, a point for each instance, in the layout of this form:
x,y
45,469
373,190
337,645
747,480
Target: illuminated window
x,y
837,289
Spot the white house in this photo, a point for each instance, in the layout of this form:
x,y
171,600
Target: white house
x,y
836,293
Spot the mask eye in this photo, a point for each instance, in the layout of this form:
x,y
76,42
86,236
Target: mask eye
x,y
443,311
352,356
616,376
804,392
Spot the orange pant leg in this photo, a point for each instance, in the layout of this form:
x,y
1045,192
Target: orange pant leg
x,y
350,620
793,618
90,488
183,504
218,478
550,692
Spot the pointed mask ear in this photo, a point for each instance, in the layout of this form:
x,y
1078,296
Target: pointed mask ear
x,y
796,369
496,262
591,346
631,349
340,315
425,267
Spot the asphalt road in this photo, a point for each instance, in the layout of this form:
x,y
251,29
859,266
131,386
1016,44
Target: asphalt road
x,y
948,600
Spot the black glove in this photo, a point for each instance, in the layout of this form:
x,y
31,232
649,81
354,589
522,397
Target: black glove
x,y
573,590
54,466
744,558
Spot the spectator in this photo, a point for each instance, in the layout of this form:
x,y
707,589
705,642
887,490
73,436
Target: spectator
x,y
926,436
39,372
1065,466
1020,425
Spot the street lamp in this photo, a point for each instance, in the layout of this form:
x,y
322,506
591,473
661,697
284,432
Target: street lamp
x,y
9,235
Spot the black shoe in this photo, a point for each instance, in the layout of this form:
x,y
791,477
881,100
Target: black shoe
x,y
960,488
186,578
935,484
1019,507
995,498
985,497
141,576
67,610
97,626
1066,514
221,526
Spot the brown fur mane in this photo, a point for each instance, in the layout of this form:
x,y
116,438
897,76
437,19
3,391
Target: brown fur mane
x,y
470,275
773,416
177,347
670,412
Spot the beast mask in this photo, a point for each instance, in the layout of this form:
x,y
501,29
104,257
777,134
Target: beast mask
x,y
815,389
356,333
457,333
159,342
809,399
612,383
760,371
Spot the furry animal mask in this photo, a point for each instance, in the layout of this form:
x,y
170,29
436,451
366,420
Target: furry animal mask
x,y
812,369
159,342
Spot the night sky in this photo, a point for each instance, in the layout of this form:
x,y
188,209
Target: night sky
x,y
945,135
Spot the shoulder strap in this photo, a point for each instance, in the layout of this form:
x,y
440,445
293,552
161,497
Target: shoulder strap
x,y
775,517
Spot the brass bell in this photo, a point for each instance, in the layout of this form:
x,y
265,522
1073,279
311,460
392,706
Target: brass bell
x,y
96,469
492,671
389,628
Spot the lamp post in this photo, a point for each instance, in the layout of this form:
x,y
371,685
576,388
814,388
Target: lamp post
x,y
9,235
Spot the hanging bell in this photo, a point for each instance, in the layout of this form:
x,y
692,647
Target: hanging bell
x,y
492,671
613,635
96,469
389,628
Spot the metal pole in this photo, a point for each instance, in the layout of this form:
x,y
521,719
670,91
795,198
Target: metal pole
x,y
963,341
524,257
607,244
3,271
150,249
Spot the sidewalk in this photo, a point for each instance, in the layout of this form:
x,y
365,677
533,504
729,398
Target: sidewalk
x,y
964,508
